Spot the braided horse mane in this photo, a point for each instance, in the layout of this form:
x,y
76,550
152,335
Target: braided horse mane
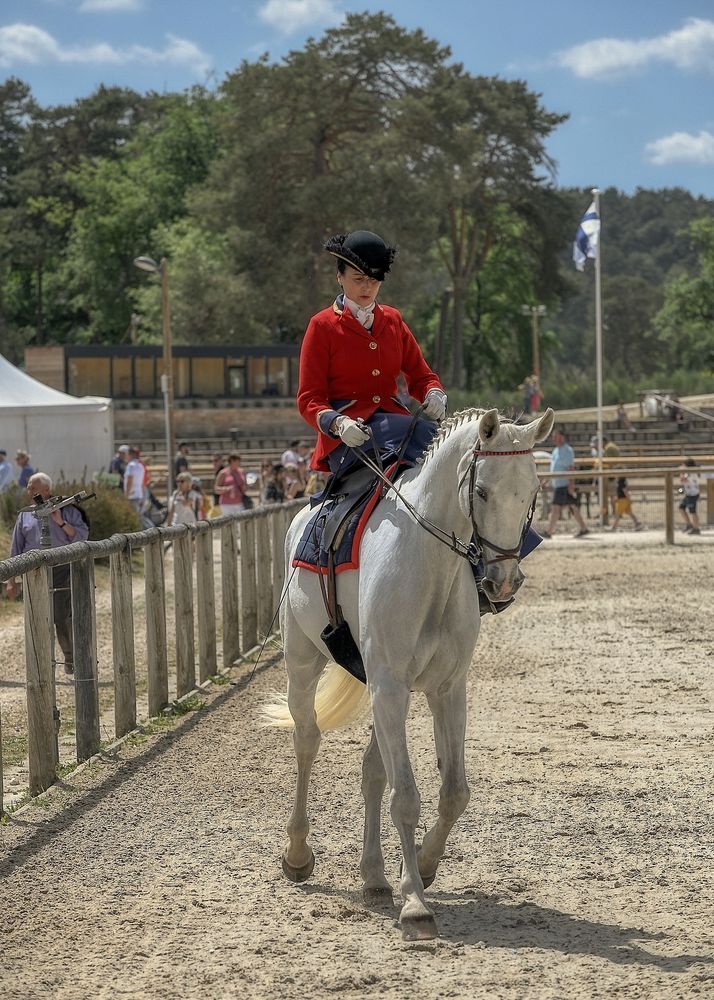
x,y
451,423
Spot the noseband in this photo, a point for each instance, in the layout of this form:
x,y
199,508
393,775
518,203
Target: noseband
x,y
480,543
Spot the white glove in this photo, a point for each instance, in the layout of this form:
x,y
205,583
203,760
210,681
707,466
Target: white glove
x,y
434,405
350,431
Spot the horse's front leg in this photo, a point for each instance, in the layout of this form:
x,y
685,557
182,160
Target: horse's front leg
x,y
449,711
376,889
389,705
298,857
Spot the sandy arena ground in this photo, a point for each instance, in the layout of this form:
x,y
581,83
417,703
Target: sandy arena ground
x,y
582,868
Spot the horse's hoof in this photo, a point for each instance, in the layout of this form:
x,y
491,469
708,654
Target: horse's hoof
x,y
299,874
378,895
422,928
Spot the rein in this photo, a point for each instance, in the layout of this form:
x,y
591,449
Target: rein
x,y
474,550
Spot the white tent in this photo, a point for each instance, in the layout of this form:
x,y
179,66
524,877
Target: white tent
x,y
68,437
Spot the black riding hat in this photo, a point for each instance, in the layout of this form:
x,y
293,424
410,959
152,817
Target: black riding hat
x,y
364,251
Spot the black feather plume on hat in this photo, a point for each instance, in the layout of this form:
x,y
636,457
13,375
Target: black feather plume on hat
x,y
364,251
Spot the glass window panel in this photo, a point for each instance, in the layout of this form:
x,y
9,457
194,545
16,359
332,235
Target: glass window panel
x,y
277,377
88,376
236,380
257,381
207,376
121,377
181,380
144,377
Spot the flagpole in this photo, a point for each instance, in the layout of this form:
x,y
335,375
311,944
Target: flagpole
x,y
598,354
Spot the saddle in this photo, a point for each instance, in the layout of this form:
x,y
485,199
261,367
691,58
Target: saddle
x,y
348,494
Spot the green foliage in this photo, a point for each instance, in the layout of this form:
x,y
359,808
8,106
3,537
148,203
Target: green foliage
x,y
686,321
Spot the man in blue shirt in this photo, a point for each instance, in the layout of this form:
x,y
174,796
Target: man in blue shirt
x,y
66,525
562,459
7,476
26,471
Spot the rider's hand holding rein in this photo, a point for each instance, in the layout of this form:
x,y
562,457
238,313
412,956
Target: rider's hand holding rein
x,y
352,433
435,405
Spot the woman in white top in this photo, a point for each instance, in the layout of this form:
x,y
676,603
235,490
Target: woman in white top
x,y
185,503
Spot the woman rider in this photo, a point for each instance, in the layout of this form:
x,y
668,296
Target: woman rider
x,y
351,357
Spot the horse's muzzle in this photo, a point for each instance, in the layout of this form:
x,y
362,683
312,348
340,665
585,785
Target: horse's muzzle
x,y
501,583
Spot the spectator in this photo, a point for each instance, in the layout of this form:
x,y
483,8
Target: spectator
x,y
118,464
291,455
7,477
536,395
526,387
688,506
315,483
197,487
134,487
218,463
623,421
293,486
185,505
273,485
26,471
181,463
623,505
231,485
562,459
66,525
610,451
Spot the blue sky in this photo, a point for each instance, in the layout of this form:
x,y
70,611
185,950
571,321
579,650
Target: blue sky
x,y
635,75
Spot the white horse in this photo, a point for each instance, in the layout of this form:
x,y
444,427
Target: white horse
x,y
412,608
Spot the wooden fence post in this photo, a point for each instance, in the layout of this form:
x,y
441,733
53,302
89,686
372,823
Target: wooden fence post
x,y
229,594
183,595
156,655
264,576
669,507
2,809
248,586
41,737
278,524
123,643
84,640
206,600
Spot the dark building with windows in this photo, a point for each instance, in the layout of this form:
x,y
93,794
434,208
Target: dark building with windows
x,y
134,371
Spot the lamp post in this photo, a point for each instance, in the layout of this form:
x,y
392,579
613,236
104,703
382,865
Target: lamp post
x,y
167,376
535,312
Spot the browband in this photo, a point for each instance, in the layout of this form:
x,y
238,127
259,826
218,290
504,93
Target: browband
x,y
526,451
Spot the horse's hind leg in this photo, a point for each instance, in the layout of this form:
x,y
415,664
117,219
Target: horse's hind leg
x,y
389,706
298,858
376,889
449,711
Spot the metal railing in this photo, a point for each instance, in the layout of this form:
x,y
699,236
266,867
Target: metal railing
x,y
252,578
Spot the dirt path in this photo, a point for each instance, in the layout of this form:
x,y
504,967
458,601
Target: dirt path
x,y
582,867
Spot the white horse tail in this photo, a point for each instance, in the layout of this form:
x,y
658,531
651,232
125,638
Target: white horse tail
x,y
340,699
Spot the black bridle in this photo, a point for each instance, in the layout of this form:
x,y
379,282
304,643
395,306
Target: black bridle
x,y
475,550
480,543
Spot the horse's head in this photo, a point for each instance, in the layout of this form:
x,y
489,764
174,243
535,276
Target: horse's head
x,y
498,485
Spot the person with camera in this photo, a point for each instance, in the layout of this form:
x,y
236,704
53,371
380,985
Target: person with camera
x,y
66,525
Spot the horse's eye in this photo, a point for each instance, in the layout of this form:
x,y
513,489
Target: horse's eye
x,y
481,493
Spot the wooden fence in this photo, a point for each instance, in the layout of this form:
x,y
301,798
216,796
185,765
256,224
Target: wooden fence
x,y
252,578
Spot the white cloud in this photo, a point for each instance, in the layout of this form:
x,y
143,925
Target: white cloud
x,y
291,15
25,43
109,6
682,147
690,47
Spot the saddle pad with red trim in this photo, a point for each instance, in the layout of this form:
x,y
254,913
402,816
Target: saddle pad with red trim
x,y
309,553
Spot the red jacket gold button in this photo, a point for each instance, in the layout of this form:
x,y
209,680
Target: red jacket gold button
x,y
375,371
376,399
373,345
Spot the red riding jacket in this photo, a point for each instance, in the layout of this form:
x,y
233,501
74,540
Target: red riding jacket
x,y
341,362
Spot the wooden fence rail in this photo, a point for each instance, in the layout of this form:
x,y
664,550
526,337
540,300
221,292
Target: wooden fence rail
x,y
251,580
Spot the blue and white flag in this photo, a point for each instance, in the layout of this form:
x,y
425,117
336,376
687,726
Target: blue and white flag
x,y
587,238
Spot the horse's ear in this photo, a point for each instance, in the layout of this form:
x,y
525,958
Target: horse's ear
x,y
544,425
488,425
